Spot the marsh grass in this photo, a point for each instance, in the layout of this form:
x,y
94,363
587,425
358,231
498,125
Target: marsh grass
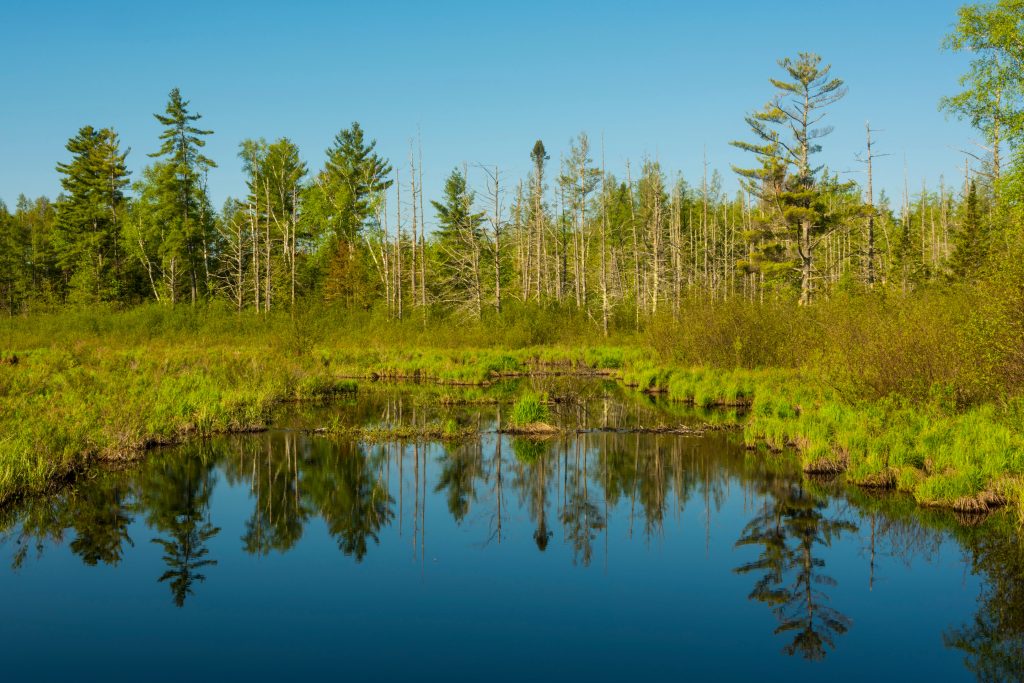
x,y
530,414
447,430
79,387
969,460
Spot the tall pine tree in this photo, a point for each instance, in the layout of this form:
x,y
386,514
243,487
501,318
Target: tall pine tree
x,y
342,202
785,181
460,240
183,189
89,216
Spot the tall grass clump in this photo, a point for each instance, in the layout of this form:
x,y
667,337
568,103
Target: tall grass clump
x,y
530,409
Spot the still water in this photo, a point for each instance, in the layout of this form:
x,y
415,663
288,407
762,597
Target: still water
x,y
600,554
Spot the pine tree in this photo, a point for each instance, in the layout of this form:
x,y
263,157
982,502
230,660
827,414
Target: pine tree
x,y
784,180
89,216
185,190
970,246
352,179
342,203
460,241
153,233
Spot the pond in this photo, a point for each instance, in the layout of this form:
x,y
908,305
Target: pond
x,y
607,552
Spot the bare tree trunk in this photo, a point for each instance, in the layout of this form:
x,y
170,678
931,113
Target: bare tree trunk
x,y
267,278
538,218
704,222
496,231
636,247
604,244
806,263
871,214
294,230
398,247
415,237
523,232
255,234
656,246
423,238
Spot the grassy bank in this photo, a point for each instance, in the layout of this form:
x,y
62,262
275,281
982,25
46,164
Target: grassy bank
x,y
78,388
971,460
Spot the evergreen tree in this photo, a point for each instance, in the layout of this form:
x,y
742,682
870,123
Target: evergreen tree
x,y
970,248
153,233
459,244
785,180
342,202
353,177
89,216
182,190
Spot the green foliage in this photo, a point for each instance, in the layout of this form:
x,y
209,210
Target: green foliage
x,y
90,212
793,196
531,408
350,183
992,98
171,227
912,379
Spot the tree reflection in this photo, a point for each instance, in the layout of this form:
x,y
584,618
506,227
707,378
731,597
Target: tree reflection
x,y
279,515
342,487
99,516
993,643
460,467
581,516
175,492
531,478
791,581
574,482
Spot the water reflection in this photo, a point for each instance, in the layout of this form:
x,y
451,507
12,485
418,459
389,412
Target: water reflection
x,y
791,523
563,492
993,642
174,495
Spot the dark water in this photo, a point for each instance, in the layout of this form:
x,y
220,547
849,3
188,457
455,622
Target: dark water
x,y
603,555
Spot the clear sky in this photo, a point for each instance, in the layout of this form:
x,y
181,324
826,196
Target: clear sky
x,y
480,80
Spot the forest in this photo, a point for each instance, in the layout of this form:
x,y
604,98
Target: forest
x,y
879,335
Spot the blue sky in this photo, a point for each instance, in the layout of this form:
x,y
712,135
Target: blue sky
x,y
479,81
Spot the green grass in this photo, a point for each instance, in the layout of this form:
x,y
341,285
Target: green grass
x,y
530,409
448,430
76,388
969,460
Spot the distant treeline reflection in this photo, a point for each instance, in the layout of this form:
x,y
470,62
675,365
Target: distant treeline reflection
x,y
567,487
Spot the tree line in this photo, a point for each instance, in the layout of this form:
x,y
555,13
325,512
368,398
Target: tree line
x,y
570,233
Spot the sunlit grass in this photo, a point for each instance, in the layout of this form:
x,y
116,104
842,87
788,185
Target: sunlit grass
x,y
82,387
530,409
